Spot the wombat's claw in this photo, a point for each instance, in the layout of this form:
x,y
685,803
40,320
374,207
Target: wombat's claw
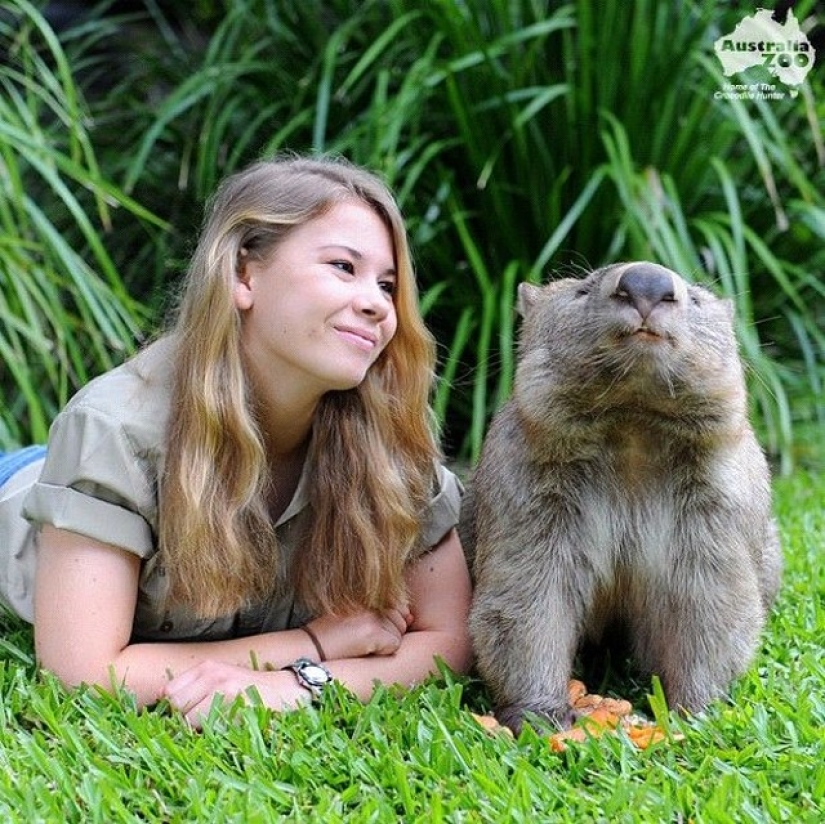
x,y
513,716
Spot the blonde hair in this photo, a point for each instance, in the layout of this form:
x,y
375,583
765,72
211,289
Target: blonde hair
x,y
372,451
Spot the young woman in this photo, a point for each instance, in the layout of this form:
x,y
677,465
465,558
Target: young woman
x,y
258,492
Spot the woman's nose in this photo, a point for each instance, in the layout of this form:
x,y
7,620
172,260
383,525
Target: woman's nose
x,y
371,300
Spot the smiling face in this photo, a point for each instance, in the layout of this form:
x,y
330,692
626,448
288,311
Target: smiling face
x,y
319,310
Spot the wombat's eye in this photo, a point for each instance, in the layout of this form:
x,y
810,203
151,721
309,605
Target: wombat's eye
x,y
582,291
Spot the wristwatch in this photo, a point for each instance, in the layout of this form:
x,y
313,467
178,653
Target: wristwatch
x,y
310,675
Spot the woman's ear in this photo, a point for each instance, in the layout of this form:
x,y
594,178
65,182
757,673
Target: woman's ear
x,y
242,293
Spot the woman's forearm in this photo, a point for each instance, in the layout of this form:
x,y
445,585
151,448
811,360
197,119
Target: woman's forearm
x,y
414,661
144,669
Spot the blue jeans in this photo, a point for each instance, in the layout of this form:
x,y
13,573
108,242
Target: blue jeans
x,y
12,462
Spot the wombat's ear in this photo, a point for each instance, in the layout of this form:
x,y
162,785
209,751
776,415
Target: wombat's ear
x,y
527,295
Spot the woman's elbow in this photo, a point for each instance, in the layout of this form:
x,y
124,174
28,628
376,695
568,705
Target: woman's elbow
x,y
455,650
75,670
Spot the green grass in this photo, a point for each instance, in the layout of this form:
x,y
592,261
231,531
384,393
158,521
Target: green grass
x,y
88,757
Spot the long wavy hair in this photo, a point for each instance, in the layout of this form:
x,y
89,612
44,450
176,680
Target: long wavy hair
x,y
372,449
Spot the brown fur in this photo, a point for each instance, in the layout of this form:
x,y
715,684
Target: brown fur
x,y
621,485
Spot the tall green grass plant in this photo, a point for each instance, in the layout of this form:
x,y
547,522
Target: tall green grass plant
x,y
526,140
64,314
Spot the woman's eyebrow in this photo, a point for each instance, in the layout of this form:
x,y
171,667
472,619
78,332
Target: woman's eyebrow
x,y
354,252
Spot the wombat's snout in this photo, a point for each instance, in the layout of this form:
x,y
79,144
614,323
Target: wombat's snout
x,y
645,286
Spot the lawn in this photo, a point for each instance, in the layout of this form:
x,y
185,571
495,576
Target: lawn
x,y
420,756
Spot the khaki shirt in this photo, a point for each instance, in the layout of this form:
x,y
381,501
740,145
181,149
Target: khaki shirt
x,y
100,478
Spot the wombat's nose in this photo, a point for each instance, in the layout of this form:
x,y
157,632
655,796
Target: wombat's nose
x,y
646,285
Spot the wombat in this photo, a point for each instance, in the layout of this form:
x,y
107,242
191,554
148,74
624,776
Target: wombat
x,y
620,487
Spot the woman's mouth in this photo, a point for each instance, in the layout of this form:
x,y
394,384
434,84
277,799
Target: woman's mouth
x,y
361,338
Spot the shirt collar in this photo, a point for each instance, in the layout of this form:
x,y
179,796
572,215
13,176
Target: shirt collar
x,y
300,498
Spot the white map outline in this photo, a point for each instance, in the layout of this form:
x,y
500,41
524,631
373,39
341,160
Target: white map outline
x,y
759,40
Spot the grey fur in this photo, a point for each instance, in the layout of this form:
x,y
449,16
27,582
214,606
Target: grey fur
x,y
621,484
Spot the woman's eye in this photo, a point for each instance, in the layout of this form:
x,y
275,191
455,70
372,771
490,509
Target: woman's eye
x,y
344,266
388,286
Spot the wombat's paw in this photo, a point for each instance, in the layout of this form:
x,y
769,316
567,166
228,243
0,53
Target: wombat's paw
x,y
689,693
515,715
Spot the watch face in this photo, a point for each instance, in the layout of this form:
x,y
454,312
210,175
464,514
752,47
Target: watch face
x,y
314,674
310,675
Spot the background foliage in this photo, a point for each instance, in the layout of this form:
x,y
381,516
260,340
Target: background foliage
x,y
525,138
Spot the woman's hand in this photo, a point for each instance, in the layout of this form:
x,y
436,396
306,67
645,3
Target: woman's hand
x,y
193,692
361,633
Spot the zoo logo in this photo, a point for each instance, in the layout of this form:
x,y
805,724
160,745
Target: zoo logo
x,y
775,54
760,40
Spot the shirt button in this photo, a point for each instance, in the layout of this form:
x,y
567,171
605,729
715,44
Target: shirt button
x,y
166,626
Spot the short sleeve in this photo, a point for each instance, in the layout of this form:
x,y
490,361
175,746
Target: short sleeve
x,y
444,509
96,482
